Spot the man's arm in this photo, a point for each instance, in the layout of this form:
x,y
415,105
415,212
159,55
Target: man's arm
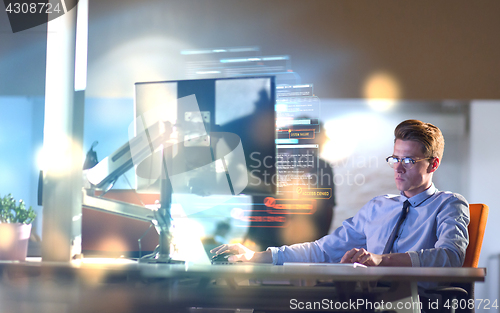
x,y
452,236
328,249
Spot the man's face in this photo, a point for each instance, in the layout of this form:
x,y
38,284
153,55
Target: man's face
x,y
419,177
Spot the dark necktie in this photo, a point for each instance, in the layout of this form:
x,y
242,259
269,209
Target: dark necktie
x,y
395,231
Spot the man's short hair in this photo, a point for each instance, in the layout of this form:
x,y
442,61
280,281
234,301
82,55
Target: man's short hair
x,y
428,135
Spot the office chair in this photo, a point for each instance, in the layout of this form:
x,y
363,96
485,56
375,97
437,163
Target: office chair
x,y
477,225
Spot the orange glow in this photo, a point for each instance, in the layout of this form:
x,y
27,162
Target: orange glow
x,y
6,237
113,244
382,90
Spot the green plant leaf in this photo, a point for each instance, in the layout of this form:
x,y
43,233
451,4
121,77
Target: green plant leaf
x,y
11,212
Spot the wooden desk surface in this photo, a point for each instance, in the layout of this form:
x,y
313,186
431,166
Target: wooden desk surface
x,y
252,271
128,287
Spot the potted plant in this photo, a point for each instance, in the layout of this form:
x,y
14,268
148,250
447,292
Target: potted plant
x,y
15,228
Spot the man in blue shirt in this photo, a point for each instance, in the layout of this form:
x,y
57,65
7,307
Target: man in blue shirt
x,y
421,226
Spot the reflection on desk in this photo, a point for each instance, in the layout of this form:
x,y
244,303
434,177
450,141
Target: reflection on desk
x,y
129,287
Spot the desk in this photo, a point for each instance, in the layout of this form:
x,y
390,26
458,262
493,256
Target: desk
x,y
131,287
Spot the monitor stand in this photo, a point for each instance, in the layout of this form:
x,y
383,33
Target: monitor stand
x,y
163,218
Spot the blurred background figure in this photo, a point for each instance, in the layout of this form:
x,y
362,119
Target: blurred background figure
x,y
295,225
218,238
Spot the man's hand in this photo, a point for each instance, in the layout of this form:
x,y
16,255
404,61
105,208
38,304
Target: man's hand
x,y
361,256
243,254
371,259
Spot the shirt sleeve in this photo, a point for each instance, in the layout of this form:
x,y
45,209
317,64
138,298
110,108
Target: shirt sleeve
x,y
329,249
452,236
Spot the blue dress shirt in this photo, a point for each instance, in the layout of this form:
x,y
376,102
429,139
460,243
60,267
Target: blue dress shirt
x,y
434,232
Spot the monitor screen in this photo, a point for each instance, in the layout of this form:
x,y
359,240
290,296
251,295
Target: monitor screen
x,y
223,135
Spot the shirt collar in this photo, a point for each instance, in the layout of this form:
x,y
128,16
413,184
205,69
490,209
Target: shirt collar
x,y
421,197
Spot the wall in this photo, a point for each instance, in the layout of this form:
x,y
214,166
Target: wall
x,y
106,121
21,138
435,49
484,174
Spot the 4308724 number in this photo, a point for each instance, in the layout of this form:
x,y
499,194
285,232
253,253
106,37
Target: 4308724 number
x,y
463,304
32,8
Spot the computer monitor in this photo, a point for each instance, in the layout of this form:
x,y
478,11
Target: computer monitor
x,y
224,130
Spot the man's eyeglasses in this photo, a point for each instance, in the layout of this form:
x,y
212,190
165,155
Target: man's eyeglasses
x,y
406,162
